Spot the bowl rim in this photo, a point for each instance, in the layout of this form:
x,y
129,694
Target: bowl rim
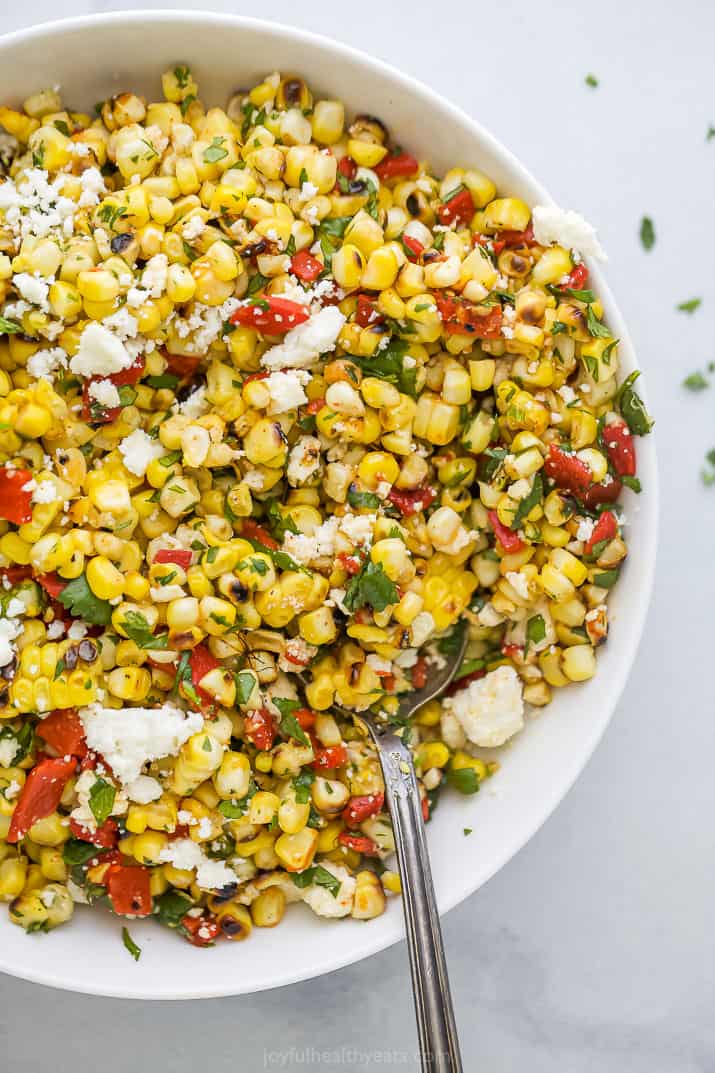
x,y
44,32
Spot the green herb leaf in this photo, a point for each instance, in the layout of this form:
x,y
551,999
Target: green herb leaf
x,y
130,945
450,644
690,306
280,523
101,800
9,327
319,876
469,667
167,380
24,739
389,364
302,784
607,579
591,81
81,602
138,630
75,852
710,134
170,908
535,631
596,328
289,725
216,151
633,483
647,233
632,407
463,779
363,499
371,586
467,830
528,503
170,459
281,559
245,684
696,382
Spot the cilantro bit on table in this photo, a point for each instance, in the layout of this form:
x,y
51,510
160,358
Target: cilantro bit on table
x,y
591,81
696,382
690,306
647,233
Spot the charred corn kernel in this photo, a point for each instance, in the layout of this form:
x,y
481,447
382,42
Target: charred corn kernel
x,y
578,663
482,373
103,578
433,754
348,266
369,900
296,851
268,908
506,214
13,873
569,565
233,776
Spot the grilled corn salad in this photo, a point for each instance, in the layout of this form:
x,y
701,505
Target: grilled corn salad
x,y
280,412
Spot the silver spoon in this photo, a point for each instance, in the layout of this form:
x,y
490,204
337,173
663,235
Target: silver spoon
x,y
437,1031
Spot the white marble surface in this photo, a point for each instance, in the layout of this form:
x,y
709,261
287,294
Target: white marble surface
x,y
592,950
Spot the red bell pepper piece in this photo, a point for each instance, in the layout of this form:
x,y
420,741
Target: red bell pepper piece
x,y
602,493
40,795
567,471
178,556
419,673
263,375
129,890
366,315
52,584
463,682
462,317
362,807
14,575
253,531
201,662
275,316
200,931
331,757
410,501
351,564
576,279
620,448
510,239
509,540
15,498
182,365
63,730
425,809
347,167
315,405
305,718
485,241
458,210
415,248
105,837
360,843
399,166
260,728
305,266
102,415
606,528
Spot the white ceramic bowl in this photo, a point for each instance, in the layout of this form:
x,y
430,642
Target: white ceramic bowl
x,y
96,56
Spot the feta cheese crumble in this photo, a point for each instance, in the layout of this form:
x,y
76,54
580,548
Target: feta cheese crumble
x,y
491,709
138,449
304,344
567,228
286,390
100,353
105,393
188,856
128,738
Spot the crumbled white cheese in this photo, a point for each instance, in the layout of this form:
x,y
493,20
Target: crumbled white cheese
x,y
105,393
286,390
32,288
35,207
154,275
193,227
187,856
8,751
378,664
44,363
138,449
296,655
306,548
93,186
128,738
304,344
100,353
322,902
567,393
358,527
195,405
567,228
9,631
490,709
45,492
585,529
304,459
77,631
55,630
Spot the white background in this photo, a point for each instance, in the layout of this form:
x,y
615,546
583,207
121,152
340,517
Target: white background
x,y
593,949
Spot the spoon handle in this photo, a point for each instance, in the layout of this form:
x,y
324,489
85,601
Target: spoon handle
x,y
439,1047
